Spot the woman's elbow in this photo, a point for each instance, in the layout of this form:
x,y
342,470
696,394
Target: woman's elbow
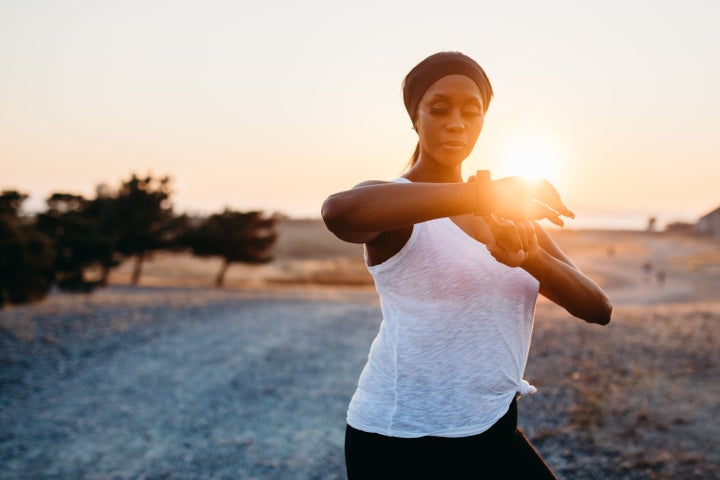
x,y
600,313
336,214
331,213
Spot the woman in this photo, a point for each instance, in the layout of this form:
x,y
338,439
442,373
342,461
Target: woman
x,y
458,266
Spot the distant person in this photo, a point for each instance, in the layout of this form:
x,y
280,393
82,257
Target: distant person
x,y
458,266
660,276
647,270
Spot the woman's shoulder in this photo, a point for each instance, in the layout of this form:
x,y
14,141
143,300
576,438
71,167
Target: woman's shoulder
x,y
368,183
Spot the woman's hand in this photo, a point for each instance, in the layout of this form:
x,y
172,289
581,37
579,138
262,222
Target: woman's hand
x,y
522,199
513,242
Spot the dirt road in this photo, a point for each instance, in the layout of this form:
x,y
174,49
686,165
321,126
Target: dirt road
x,y
234,388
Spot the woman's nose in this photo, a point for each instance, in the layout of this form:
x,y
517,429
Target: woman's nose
x,y
455,121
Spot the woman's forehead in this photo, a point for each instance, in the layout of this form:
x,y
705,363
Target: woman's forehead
x,y
452,86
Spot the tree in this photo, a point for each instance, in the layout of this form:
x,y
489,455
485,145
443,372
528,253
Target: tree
x,y
237,237
10,203
73,222
140,219
652,221
26,255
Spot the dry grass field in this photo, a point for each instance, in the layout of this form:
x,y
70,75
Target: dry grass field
x,y
306,254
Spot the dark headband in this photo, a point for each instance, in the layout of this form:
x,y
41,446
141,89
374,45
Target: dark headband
x,y
437,66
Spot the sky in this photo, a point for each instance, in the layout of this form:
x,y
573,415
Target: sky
x,y
275,105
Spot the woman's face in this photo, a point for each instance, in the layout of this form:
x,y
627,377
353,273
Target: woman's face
x,y
449,120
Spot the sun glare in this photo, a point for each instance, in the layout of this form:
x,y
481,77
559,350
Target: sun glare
x,y
530,157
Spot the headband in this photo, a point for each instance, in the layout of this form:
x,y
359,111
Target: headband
x,y
440,65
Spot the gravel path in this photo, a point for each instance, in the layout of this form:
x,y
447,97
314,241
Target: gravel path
x,y
156,383
234,388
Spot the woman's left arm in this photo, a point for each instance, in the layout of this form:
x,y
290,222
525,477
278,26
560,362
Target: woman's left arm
x,y
562,282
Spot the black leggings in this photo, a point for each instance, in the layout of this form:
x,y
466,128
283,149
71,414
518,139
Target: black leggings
x,y
502,452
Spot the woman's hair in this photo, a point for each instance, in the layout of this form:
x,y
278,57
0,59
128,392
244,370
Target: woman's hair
x,y
430,70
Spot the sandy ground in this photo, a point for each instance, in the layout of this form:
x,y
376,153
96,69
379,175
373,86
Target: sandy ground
x,y
175,380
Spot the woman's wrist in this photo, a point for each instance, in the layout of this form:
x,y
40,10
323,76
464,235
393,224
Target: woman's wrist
x,y
534,261
483,193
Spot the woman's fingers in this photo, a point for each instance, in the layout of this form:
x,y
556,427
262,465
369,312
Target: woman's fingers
x,y
527,233
539,210
523,199
509,242
509,258
524,234
544,192
511,234
532,244
555,218
514,241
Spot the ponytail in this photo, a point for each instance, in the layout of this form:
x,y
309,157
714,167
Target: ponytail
x,y
414,158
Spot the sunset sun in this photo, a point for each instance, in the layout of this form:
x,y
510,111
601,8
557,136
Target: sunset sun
x,y
531,157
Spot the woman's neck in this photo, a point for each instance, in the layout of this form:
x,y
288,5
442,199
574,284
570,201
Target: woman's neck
x,y
422,172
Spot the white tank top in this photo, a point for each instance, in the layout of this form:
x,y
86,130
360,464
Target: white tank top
x,y
452,346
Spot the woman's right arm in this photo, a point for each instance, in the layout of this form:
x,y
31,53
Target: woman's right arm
x,y
360,214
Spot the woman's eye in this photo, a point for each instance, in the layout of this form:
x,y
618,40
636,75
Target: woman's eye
x,y
439,109
472,111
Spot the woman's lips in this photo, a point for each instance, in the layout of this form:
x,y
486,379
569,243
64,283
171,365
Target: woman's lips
x,y
453,144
